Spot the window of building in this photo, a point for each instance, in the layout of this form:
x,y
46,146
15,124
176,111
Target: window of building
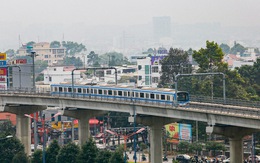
x,y
139,77
147,80
139,67
108,72
155,69
155,79
45,56
54,69
50,79
147,69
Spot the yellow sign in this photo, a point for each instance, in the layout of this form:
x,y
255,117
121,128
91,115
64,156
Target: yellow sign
x,y
2,56
172,131
57,125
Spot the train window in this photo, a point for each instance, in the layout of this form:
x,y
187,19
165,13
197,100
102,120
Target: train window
x,y
74,90
84,90
109,92
115,93
65,89
91,91
162,97
152,96
142,95
60,89
69,90
128,93
157,97
100,91
168,98
95,91
119,93
181,97
79,90
105,92
125,94
87,90
147,95
136,94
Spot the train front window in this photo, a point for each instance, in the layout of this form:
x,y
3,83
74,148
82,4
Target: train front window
x,y
182,97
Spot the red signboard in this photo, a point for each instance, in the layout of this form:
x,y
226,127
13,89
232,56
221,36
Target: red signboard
x,y
3,71
21,61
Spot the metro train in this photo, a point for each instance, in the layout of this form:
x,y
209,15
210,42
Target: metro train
x,y
126,93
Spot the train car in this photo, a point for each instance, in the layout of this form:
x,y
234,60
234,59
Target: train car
x,y
123,93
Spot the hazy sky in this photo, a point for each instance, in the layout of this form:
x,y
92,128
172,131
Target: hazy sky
x,y
16,13
99,12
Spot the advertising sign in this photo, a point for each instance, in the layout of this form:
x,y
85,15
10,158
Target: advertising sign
x,y
3,71
3,79
185,132
172,132
3,86
2,56
2,63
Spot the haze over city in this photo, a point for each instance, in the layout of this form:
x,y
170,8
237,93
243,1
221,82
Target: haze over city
x,y
99,24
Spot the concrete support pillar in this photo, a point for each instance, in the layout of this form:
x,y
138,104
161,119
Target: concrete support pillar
x,y
23,132
156,143
83,129
236,150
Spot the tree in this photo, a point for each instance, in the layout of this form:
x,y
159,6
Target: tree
x,y
55,44
88,153
103,156
215,146
9,148
113,59
37,157
20,157
68,154
31,43
184,146
117,156
175,62
196,146
52,152
225,48
7,128
40,66
73,47
10,52
77,62
93,59
209,58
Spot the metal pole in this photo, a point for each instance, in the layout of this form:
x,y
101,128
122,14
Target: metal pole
x,y
35,132
72,130
134,135
33,55
224,88
44,143
72,82
20,78
176,89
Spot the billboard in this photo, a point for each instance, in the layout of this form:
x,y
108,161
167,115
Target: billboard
x,y
172,132
3,71
185,132
176,132
3,56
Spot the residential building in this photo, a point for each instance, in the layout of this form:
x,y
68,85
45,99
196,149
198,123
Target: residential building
x,y
45,52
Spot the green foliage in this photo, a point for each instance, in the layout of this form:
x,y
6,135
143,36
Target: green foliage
x,y
103,156
20,157
196,146
209,58
37,157
10,52
225,48
7,128
31,43
77,62
93,59
175,62
88,153
73,47
215,146
55,44
9,147
52,152
126,79
40,77
40,66
68,154
113,59
184,146
117,156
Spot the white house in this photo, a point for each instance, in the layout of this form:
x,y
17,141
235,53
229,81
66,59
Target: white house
x,y
58,74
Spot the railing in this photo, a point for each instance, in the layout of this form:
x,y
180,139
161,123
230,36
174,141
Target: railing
x,y
193,98
228,101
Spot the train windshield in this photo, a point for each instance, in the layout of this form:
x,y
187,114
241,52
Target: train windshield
x,y
182,96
